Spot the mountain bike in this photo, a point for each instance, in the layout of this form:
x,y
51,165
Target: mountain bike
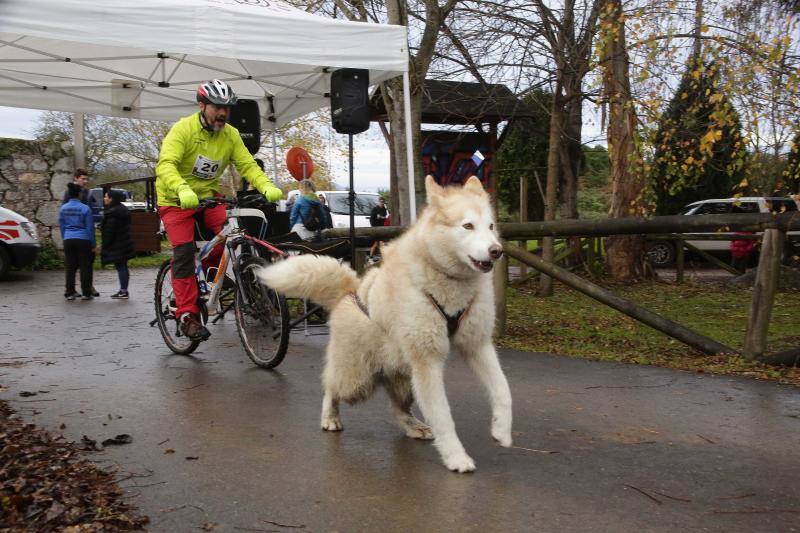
x,y
262,315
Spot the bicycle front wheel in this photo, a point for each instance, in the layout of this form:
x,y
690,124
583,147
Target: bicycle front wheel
x,y
165,313
262,317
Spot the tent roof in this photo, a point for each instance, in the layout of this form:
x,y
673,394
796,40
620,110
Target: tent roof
x,y
459,102
145,58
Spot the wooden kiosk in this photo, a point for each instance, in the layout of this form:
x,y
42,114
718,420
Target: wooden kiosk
x,y
145,224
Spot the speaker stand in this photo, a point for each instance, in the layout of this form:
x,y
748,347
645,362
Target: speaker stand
x,y
352,201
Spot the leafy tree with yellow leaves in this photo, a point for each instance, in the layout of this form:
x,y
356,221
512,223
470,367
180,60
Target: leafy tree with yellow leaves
x,y
790,178
699,149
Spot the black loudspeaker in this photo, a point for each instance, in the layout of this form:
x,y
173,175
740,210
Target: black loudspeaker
x,y
246,118
349,100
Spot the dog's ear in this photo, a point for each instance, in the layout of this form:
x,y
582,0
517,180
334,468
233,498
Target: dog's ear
x,y
432,189
474,186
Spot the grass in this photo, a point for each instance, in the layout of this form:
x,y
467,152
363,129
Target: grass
x,y
575,325
52,259
140,261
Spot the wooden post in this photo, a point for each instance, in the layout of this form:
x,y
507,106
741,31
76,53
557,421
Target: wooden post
x,y
590,256
523,217
769,262
500,278
680,258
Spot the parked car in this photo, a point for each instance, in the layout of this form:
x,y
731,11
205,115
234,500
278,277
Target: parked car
x,y
662,253
19,242
339,203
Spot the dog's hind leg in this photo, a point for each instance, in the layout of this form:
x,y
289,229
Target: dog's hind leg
x,y
398,387
330,413
428,382
344,378
484,363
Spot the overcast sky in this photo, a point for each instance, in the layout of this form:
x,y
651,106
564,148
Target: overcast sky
x,y
371,171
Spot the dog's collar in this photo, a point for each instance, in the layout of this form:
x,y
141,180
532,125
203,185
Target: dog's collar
x,y
453,321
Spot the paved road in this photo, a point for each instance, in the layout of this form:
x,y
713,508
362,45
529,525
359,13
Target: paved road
x,y
600,446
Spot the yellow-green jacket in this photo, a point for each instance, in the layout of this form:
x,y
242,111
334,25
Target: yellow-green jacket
x,y
197,157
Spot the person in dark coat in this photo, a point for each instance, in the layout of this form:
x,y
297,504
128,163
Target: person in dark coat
x,y
117,242
377,217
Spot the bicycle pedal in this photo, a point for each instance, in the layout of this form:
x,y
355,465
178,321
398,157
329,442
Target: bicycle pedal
x,y
204,336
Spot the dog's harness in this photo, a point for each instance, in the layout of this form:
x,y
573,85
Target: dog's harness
x,y
453,321
360,304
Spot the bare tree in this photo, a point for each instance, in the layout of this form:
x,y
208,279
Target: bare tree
x,y
425,19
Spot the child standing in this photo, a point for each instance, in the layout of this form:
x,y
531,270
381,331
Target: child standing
x,y
77,231
117,243
741,250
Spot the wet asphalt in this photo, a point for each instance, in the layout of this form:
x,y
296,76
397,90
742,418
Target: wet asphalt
x,y
221,444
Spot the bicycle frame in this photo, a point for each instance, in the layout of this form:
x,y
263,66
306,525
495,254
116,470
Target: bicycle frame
x,y
233,238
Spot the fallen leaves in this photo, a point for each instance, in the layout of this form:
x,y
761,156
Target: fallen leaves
x,y
123,438
46,484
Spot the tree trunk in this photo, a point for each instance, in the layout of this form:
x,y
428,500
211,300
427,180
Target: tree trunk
x,y
397,121
571,157
697,46
397,11
392,91
394,203
624,254
551,190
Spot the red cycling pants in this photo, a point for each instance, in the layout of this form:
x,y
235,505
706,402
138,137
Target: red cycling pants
x,y
179,225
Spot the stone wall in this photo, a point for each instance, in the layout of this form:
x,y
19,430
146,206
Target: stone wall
x,y
33,178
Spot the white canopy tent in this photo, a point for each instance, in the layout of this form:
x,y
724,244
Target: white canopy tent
x,y
144,59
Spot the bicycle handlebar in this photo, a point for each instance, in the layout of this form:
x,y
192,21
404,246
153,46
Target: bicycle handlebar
x,y
216,200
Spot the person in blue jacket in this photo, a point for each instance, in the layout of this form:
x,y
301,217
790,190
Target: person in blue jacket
x,y
307,218
77,231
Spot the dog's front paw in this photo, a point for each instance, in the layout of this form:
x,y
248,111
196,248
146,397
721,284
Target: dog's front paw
x,y
501,432
332,424
503,439
459,463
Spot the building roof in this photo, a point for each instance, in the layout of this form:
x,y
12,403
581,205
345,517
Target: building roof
x,y
456,102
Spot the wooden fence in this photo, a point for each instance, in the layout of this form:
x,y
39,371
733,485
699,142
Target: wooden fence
x,y
774,227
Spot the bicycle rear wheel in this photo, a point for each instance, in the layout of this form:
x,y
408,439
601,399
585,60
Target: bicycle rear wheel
x,y
262,317
165,314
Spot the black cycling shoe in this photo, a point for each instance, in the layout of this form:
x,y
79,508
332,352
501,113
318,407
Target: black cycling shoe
x,y
193,328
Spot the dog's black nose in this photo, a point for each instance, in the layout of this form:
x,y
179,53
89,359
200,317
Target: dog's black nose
x,y
495,251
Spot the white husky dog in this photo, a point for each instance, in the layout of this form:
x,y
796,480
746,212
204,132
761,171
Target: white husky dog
x,y
395,327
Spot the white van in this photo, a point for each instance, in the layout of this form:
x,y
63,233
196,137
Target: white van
x,y
19,243
662,253
339,204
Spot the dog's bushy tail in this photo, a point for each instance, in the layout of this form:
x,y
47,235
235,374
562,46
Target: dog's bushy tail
x,y
318,278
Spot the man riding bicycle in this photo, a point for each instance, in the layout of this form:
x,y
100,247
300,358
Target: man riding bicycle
x,y
194,154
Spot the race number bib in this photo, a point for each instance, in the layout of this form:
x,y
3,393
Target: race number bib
x,y
205,168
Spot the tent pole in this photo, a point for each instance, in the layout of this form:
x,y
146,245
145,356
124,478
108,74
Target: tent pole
x,y
351,201
78,139
274,158
412,193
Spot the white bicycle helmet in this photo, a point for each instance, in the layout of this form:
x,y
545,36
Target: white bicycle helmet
x,y
216,92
